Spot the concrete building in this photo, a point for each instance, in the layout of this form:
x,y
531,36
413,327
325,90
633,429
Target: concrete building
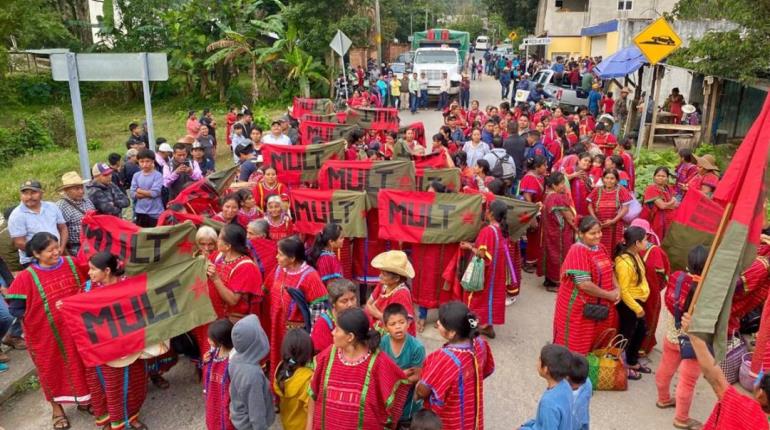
x,y
594,27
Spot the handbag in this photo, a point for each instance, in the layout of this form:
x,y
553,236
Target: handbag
x,y
606,368
731,365
596,311
685,347
634,209
473,277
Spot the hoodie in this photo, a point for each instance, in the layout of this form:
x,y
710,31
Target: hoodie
x,y
251,402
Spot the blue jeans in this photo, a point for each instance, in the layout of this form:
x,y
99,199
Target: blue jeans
x,y
505,89
465,98
423,98
7,321
422,312
414,100
443,100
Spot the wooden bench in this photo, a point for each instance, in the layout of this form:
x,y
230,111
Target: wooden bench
x,y
684,130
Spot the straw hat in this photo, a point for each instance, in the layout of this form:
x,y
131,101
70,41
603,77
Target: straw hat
x,y
708,162
688,109
394,262
71,179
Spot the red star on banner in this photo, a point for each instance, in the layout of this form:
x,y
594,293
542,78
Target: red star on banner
x,y
186,247
469,217
199,287
363,213
525,217
405,182
451,185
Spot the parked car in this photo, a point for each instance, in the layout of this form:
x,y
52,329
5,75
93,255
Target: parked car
x,y
560,91
482,43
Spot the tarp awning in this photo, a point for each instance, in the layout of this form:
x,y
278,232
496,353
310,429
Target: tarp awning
x,y
626,61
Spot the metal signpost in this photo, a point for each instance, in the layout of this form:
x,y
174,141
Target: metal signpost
x,y
340,44
74,68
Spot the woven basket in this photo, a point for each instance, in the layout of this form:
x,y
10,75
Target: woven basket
x,y
745,375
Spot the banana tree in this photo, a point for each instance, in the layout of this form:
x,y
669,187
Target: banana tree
x,y
303,68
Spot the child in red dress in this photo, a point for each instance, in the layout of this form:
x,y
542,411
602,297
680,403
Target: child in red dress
x,y
216,381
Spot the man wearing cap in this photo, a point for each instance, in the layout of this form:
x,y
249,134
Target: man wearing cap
x,y
180,172
130,167
505,82
594,99
289,129
248,162
205,163
32,216
162,156
73,206
107,198
276,136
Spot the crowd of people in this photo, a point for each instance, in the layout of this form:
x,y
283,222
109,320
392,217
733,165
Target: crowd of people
x,y
299,332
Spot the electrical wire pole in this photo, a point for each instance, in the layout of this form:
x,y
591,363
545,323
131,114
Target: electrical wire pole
x,y
378,32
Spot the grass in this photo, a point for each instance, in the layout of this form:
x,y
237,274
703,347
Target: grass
x,y
107,130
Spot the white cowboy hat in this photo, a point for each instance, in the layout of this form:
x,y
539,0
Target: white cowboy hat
x,y
394,262
688,109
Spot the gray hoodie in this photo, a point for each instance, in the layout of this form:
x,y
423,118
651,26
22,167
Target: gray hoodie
x,y
251,401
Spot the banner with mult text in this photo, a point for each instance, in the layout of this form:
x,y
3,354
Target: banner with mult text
x,y
369,176
424,217
298,164
302,106
312,209
311,131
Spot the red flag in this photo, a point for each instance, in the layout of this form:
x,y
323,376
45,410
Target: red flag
x,y
199,198
743,190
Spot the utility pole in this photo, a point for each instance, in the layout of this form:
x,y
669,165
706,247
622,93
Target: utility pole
x,y
378,31
426,18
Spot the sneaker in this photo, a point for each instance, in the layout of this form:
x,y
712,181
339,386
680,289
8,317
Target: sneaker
x,y
15,342
510,300
3,367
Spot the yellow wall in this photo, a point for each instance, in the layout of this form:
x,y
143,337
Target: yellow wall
x,y
613,39
580,46
568,44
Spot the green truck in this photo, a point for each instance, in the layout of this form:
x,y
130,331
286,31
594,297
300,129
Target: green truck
x,y
441,37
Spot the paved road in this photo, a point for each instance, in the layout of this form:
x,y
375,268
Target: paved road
x,y
511,393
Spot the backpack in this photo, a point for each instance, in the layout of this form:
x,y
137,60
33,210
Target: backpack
x,y
530,152
504,168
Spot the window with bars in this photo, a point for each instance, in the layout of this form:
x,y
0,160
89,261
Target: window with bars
x,y
625,5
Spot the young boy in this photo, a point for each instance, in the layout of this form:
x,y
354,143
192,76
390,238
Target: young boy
x,y
116,164
251,398
145,190
582,389
404,349
554,412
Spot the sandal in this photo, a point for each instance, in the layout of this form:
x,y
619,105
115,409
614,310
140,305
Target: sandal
x,y
85,409
60,422
642,369
137,425
690,424
159,382
666,405
634,375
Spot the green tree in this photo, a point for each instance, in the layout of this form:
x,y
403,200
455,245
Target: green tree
x,y
303,68
743,53
515,13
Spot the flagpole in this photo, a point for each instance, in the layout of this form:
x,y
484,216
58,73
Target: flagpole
x,y
712,251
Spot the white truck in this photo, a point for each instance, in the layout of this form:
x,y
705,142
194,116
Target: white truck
x,y
434,62
560,90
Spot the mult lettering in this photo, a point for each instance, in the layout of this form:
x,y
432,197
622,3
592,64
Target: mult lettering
x,y
420,214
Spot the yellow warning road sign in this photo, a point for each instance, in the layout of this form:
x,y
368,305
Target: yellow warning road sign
x,y
657,41
512,35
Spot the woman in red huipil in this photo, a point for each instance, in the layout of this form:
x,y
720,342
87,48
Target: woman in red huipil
x,y
656,270
267,187
706,180
216,379
249,210
751,289
355,385
586,277
280,222
236,278
118,390
572,133
685,170
491,245
623,150
343,294
231,206
559,226
532,189
206,238
609,204
659,203
33,297
452,379
288,308
580,183
323,254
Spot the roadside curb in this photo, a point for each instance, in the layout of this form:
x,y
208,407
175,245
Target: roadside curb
x,y
9,387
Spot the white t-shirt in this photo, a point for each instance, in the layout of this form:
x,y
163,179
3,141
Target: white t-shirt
x,y
280,140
